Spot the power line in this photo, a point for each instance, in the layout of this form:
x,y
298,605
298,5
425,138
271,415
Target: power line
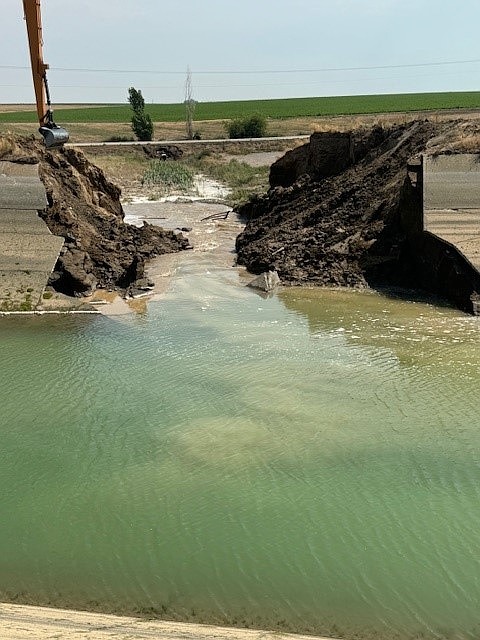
x,y
230,85
209,86
258,72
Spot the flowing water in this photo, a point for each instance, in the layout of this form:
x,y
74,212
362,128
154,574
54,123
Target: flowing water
x,y
309,461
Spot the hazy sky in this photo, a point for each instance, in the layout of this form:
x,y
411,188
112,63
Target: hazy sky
x,y
243,49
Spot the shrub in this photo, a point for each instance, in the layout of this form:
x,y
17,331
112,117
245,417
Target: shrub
x,y
250,127
120,139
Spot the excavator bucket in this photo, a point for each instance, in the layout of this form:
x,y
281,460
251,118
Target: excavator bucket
x,y
55,136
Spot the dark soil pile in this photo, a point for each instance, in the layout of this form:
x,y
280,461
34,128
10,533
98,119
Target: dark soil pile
x,y
334,218
84,207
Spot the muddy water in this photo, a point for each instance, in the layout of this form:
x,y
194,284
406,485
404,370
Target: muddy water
x,y
308,461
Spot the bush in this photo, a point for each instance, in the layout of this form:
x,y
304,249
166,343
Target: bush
x,y
251,127
120,139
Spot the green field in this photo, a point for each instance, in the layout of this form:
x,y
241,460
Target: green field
x,y
285,108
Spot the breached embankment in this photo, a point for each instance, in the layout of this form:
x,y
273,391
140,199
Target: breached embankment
x,y
333,214
84,207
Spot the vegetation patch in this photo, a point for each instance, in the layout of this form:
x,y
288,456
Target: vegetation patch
x,y
120,139
168,176
243,179
10,305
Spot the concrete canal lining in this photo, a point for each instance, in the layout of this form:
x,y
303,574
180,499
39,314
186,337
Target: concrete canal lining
x,y
452,202
440,214
452,182
28,251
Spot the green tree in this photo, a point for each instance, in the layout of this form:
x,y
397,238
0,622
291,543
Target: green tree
x,y
142,124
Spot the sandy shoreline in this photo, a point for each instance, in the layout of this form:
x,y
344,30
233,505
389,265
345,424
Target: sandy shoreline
x,y
22,622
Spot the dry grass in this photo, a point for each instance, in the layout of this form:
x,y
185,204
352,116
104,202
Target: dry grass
x,y
100,132
126,168
6,108
18,129
208,129
468,144
7,146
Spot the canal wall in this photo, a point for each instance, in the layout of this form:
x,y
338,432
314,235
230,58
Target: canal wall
x,y
452,182
28,250
442,251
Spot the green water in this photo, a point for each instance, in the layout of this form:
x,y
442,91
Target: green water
x,y
309,461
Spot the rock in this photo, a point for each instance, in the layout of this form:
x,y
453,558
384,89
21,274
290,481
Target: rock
x,y
267,281
139,288
144,284
75,274
475,300
133,273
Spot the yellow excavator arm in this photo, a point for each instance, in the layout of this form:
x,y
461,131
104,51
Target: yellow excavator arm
x,y
53,135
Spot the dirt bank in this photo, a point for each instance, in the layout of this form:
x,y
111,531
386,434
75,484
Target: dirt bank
x,y
84,207
332,215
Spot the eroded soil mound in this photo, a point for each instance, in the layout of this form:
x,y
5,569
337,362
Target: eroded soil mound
x,y
334,218
84,207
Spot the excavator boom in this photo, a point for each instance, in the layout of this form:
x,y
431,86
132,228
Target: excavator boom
x,y
53,135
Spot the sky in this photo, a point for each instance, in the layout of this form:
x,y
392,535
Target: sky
x,y
243,49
